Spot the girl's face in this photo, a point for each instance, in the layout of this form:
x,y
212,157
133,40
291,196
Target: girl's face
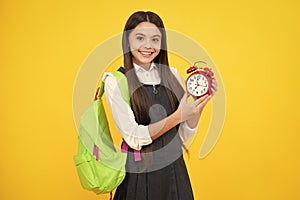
x,y
145,43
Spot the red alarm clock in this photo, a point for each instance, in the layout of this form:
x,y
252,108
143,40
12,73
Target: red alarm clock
x,y
199,82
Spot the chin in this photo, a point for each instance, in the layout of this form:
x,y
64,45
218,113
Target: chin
x,y
150,58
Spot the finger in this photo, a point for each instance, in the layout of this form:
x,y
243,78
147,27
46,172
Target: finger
x,y
215,85
204,102
213,91
214,88
201,99
214,81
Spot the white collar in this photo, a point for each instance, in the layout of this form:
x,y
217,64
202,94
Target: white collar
x,y
139,68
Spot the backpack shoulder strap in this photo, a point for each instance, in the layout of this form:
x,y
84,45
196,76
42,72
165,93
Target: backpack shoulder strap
x,y
122,83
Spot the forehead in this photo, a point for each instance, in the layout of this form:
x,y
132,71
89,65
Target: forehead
x,y
146,28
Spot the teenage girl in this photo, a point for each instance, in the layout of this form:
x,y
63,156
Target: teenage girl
x,y
159,119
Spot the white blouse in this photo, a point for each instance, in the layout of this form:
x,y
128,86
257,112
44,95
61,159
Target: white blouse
x,y
136,135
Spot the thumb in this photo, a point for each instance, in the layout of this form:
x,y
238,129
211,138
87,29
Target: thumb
x,y
184,97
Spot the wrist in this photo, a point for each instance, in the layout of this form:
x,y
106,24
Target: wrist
x,y
193,122
178,116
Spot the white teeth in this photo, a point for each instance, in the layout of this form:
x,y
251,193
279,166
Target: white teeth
x,y
145,53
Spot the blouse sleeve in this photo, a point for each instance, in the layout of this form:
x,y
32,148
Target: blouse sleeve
x,y
185,132
135,135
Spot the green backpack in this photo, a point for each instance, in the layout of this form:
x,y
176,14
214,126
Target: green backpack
x,y
100,167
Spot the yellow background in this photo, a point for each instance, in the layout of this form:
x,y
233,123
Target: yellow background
x,y
253,43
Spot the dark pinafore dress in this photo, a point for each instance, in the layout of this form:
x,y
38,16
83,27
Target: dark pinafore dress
x,y
161,173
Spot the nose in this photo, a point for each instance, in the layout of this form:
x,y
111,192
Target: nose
x,y
148,44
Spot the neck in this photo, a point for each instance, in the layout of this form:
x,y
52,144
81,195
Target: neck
x,y
145,66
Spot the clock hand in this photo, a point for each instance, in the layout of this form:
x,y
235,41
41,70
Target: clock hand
x,y
201,85
195,88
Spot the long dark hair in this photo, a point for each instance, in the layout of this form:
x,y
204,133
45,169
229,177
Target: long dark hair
x,y
138,97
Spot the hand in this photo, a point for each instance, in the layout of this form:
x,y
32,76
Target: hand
x,y
191,110
214,87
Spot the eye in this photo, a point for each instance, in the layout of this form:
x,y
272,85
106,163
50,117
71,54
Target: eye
x,y
155,40
140,38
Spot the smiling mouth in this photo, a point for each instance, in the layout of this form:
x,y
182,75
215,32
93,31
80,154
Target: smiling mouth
x,y
146,53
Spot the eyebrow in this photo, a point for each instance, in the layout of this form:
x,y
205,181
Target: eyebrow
x,y
157,35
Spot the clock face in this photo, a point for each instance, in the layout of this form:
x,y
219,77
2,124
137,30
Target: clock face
x,y
197,85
